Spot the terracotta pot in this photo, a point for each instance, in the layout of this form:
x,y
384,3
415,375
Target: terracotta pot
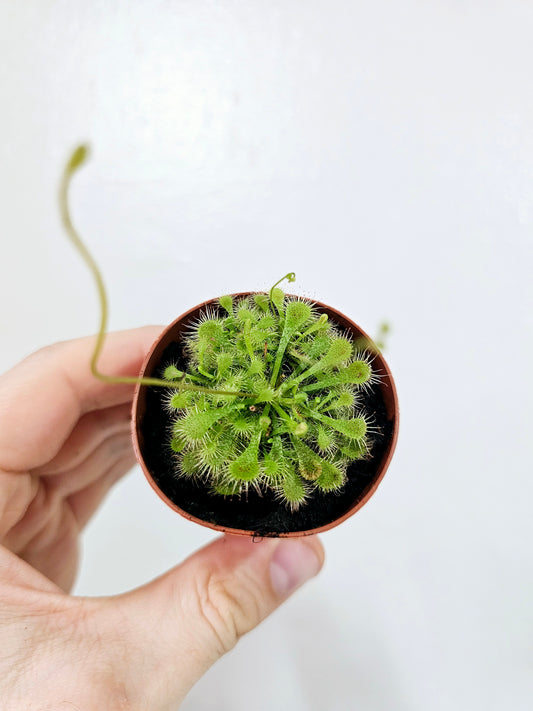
x,y
257,515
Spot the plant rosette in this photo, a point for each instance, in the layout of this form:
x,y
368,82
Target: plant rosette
x,y
283,421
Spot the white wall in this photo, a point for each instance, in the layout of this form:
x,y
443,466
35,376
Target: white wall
x,y
384,152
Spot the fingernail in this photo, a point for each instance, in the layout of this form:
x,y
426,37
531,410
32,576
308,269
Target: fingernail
x,y
292,564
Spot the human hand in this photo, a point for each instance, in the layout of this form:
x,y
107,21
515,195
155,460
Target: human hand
x,y
64,441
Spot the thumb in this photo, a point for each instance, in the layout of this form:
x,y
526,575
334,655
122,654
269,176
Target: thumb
x,y
178,625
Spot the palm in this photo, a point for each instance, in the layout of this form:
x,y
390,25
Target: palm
x,y
64,441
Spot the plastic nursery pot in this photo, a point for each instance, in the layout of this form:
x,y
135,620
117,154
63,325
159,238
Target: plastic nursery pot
x,y
255,514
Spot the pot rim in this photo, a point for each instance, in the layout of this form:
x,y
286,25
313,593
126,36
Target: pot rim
x,y
384,464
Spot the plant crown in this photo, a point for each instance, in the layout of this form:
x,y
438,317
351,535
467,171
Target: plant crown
x,y
297,417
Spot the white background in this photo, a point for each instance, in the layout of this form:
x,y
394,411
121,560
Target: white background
x,y
384,152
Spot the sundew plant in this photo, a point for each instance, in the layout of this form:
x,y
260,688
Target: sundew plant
x,y
271,396
295,417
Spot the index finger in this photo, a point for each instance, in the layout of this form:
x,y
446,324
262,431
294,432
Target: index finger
x,y
42,398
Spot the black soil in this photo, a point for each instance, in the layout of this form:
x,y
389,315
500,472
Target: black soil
x,y
261,514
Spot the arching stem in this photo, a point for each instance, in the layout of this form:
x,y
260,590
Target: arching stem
x,y
76,160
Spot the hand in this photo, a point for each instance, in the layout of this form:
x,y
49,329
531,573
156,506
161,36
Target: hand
x,y
64,441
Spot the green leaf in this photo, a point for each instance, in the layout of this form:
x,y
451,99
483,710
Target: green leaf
x,y
331,478
172,373
278,297
246,467
227,303
195,425
297,314
261,301
310,464
293,489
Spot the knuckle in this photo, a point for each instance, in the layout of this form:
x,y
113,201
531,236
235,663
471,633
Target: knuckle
x,y
229,606
45,352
